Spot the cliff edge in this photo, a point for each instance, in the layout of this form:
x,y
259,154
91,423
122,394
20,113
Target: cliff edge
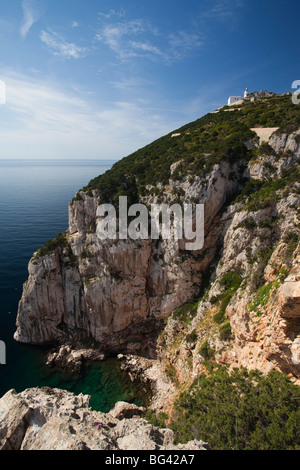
x,y
52,419
235,301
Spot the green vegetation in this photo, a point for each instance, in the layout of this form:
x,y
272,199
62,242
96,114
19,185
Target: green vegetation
x,y
192,337
59,241
206,352
262,298
225,332
291,240
240,411
258,194
157,419
264,292
248,223
86,255
269,223
266,149
201,144
231,281
171,373
187,311
77,197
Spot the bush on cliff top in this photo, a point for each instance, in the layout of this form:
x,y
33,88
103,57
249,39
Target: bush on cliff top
x,y
240,411
59,241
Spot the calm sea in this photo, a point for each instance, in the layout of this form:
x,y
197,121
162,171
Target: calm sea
x,y
34,198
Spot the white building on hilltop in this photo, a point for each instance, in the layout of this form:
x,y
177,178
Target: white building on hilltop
x,y
234,99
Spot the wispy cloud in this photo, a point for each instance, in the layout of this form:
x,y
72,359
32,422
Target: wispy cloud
x,y
223,11
112,13
136,38
118,36
59,47
32,12
130,83
42,119
145,47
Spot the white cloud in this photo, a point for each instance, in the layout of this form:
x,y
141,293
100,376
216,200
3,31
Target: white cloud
x,y
117,36
136,38
224,11
75,24
131,83
32,12
44,121
111,13
146,47
60,47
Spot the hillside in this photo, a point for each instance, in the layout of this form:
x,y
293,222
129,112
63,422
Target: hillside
x,y
198,146
175,315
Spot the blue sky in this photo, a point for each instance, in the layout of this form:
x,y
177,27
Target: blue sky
x,y
99,79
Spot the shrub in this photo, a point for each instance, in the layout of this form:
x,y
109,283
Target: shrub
x,y
292,240
248,223
59,241
240,411
192,337
231,282
187,311
206,352
262,298
225,332
266,149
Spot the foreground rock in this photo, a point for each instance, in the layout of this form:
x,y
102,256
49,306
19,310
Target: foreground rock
x,y
52,419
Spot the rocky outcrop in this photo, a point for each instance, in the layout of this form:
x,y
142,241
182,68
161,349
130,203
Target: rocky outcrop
x,y
152,372
52,419
255,283
115,293
234,302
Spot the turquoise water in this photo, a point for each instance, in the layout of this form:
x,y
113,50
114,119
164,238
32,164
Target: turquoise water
x,y
34,198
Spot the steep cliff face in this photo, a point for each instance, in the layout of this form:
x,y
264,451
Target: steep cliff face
x,y
116,292
249,314
118,295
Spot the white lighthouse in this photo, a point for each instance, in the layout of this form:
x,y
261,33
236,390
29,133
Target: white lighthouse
x,y
246,93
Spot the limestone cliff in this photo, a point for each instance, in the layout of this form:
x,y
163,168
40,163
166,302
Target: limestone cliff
x,y
249,315
235,301
115,293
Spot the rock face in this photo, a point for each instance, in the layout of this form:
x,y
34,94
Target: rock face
x,y
52,419
132,297
255,283
116,293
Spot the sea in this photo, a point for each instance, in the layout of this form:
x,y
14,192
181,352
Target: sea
x,y
34,197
